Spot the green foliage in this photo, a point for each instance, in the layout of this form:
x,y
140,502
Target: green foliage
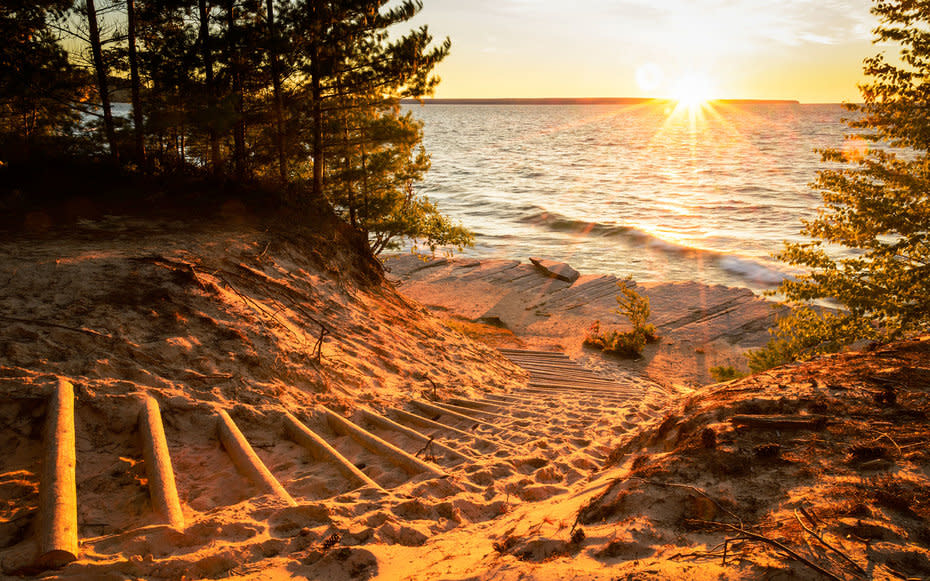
x,y
807,332
371,152
725,373
373,182
624,344
635,308
300,94
870,248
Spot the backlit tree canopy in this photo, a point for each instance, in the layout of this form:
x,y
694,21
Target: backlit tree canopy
x,y
301,95
870,253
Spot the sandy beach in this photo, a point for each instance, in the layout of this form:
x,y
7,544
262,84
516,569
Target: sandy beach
x,y
461,429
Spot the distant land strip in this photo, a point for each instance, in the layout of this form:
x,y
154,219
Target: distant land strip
x,y
587,101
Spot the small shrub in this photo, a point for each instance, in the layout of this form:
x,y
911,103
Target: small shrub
x,y
725,373
635,308
625,344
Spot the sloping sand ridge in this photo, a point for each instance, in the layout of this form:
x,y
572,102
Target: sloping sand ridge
x,y
460,461
229,318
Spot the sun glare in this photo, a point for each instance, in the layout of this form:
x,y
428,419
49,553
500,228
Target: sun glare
x,y
692,91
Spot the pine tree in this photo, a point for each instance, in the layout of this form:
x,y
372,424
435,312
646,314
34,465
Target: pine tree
x,y
870,254
274,47
169,61
37,81
206,55
379,159
366,154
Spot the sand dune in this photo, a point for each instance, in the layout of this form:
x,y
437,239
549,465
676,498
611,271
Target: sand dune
x,y
228,319
402,449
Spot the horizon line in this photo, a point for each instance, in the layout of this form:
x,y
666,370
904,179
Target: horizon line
x,y
595,101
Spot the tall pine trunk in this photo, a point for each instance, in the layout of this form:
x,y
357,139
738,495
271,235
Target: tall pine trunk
x,y
235,67
316,96
137,113
207,57
278,99
102,85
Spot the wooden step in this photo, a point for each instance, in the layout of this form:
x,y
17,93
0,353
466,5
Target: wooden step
x,y
417,420
389,424
378,446
320,449
155,454
246,460
57,525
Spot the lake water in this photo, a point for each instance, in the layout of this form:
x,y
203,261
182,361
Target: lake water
x,y
647,190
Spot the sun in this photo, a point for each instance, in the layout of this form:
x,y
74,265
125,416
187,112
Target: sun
x,y
693,90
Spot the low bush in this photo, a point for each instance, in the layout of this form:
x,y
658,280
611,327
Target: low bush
x,y
626,344
635,308
725,373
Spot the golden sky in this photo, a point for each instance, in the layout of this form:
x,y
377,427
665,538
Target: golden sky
x,y
809,50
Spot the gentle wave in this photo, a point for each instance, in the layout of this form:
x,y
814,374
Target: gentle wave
x,y
560,223
614,190
753,271
747,268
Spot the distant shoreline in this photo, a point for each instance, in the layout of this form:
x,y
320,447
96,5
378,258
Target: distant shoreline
x,y
586,101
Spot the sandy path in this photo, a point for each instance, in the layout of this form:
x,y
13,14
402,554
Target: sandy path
x,y
207,318
508,450
701,326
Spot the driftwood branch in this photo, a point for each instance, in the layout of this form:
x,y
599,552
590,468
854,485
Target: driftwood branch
x,y
318,347
272,288
427,450
773,422
882,435
435,388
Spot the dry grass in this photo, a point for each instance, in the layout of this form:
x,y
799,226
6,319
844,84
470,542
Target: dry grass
x,y
491,335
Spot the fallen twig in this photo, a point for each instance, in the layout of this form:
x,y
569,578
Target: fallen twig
x,y
318,347
890,439
820,538
273,287
772,542
766,422
733,515
811,517
427,451
435,388
40,323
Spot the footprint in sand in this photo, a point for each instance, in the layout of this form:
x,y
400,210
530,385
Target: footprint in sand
x,y
548,475
529,465
482,478
583,464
